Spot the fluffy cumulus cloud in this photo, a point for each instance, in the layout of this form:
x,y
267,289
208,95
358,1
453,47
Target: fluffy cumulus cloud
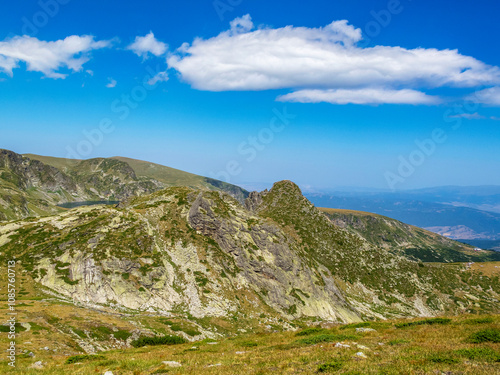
x,y
145,45
48,57
323,64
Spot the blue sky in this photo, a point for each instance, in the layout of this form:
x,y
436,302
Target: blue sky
x,y
386,94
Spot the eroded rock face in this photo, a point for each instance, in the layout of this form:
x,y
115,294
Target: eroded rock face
x,y
254,200
269,262
25,173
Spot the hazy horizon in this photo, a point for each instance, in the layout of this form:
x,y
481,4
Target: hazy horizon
x,y
307,188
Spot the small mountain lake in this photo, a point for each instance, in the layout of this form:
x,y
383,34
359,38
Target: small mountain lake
x,y
85,203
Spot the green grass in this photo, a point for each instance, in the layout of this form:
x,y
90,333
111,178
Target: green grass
x,y
326,338
434,348
479,354
398,342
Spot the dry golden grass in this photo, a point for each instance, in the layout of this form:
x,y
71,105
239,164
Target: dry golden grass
x,y
419,349
487,268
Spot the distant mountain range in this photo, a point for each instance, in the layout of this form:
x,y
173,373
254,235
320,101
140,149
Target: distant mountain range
x,y
484,198
448,211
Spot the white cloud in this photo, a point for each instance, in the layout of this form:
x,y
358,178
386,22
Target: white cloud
x,y
490,97
47,57
241,25
111,83
323,58
470,116
160,77
371,96
144,45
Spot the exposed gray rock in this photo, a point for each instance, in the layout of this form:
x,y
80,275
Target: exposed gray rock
x,y
172,364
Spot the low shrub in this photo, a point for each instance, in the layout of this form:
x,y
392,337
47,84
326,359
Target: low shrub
x,y
479,321
330,366
423,322
443,358
17,327
310,331
356,325
249,344
158,340
122,334
191,332
84,358
485,335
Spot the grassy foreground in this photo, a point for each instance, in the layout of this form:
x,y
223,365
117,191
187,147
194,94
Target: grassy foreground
x,y
468,344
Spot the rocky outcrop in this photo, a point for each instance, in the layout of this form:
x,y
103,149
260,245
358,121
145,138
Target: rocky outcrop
x,y
25,173
269,261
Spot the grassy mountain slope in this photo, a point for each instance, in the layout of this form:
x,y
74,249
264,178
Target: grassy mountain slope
x,y
165,175
62,164
169,176
201,256
174,177
29,187
406,239
34,185
440,348
359,266
458,222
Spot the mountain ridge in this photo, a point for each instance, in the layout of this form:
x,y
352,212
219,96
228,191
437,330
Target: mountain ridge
x,y
202,254
481,224
36,185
